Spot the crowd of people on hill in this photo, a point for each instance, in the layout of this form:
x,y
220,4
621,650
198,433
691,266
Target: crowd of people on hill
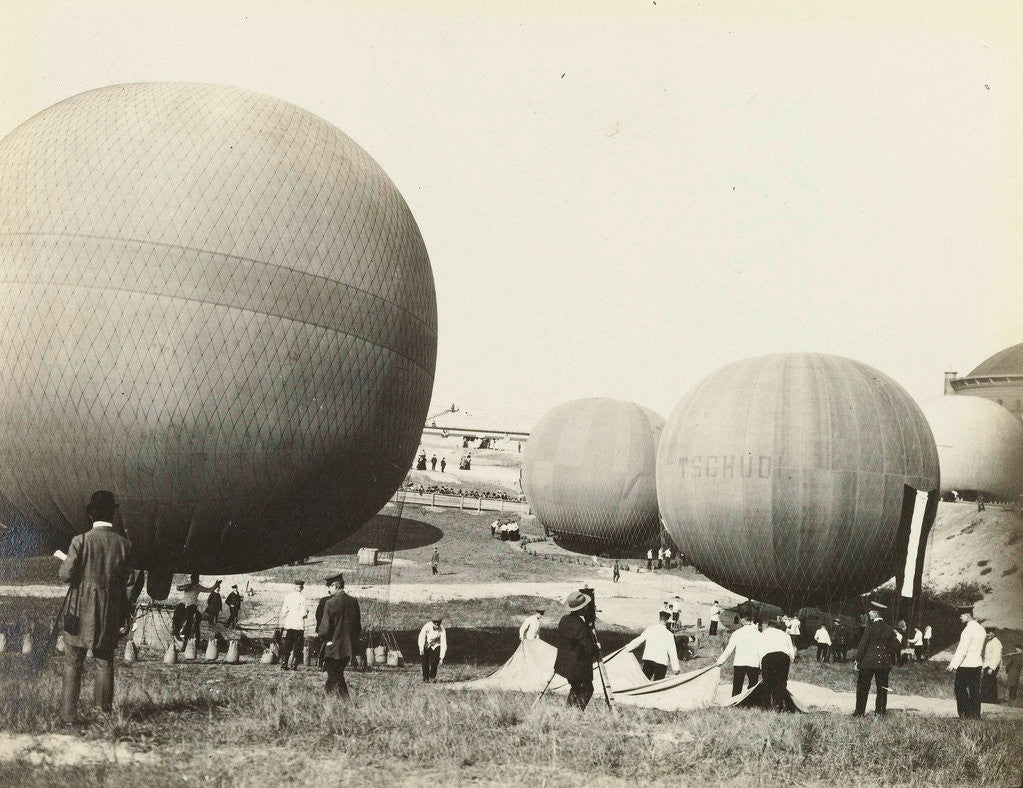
x,y
444,489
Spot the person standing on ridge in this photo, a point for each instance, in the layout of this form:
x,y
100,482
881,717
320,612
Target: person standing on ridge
x,y
967,663
96,568
715,619
434,561
433,462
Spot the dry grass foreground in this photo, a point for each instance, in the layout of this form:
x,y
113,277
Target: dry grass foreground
x,y
251,724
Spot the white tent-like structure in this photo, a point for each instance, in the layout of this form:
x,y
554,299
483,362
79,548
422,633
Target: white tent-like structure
x,y
532,666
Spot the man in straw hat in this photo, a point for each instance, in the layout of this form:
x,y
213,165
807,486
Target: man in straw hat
x,y
433,646
967,663
339,630
97,567
577,651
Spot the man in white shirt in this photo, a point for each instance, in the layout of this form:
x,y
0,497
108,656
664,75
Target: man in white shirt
x,y
967,663
658,649
433,645
927,641
650,559
667,558
745,642
530,629
715,618
823,640
916,642
294,611
992,662
777,653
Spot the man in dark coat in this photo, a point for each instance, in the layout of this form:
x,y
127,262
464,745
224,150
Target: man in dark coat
x,y
577,651
234,604
877,652
214,604
339,630
97,566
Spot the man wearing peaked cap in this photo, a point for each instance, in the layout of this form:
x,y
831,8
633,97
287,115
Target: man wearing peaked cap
x,y
339,630
234,605
294,611
433,646
877,652
967,663
577,651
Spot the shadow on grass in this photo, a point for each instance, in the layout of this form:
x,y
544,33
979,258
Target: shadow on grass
x,y
149,709
406,533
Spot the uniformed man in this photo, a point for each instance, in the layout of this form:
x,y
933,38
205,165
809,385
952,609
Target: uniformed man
x,y
877,652
992,662
776,654
339,630
715,619
967,663
577,651
234,604
530,629
433,646
294,611
434,561
746,642
97,567
659,648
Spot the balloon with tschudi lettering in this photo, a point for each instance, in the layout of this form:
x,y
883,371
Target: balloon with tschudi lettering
x,y
794,478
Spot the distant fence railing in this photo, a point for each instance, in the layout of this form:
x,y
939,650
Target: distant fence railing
x,y
468,502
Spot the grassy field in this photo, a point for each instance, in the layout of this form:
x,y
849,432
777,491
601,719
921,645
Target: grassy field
x,y
244,725
249,724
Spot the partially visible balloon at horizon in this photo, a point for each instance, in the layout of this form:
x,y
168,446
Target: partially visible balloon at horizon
x,y
217,305
588,472
980,446
792,478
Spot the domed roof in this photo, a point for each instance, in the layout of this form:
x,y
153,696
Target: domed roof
x,y
1005,362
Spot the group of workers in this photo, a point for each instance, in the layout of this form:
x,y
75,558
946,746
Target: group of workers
x,y
97,568
767,655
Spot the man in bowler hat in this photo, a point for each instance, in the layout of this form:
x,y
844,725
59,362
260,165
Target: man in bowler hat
x,y
577,651
97,567
339,630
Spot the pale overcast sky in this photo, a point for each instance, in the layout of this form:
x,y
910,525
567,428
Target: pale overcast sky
x,y
620,198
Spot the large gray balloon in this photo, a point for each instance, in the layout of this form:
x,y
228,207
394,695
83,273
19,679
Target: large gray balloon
x,y
216,305
588,472
793,478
